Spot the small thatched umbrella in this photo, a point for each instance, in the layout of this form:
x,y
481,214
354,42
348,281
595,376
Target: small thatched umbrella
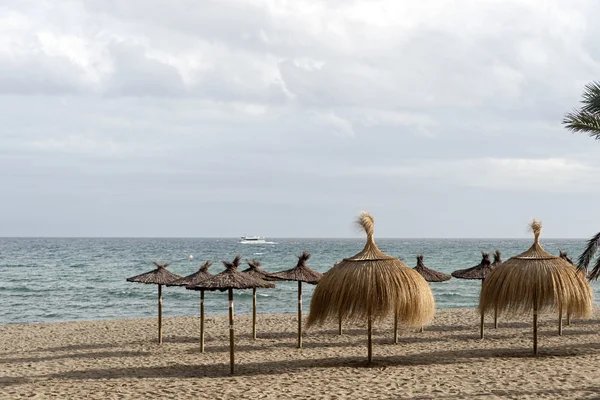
x,y
480,271
536,281
228,280
370,286
430,276
300,273
256,272
194,279
159,276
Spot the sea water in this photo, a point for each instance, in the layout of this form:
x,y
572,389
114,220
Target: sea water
x,y
64,279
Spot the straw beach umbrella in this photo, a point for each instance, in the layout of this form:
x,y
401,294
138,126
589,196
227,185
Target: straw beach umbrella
x,y
194,279
480,271
229,280
159,276
370,286
300,273
430,276
256,272
536,281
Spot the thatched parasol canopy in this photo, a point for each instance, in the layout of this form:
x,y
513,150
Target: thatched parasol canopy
x,y
228,280
480,271
300,273
195,278
159,276
536,281
429,274
254,270
497,259
369,287
231,278
565,256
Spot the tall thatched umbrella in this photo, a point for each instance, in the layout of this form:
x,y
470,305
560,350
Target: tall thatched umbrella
x,y
536,281
300,273
480,271
194,279
159,276
430,276
256,272
228,280
370,286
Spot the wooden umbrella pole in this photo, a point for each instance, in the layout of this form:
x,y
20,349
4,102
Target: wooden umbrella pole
x,y
202,321
568,319
340,326
560,321
421,330
535,328
231,332
299,314
370,340
482,318
496,317
395,327
481,324
253,313
159,314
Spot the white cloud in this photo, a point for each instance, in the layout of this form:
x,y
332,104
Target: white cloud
x,y
464,95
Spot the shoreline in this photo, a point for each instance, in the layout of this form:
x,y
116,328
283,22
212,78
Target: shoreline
x,y
121,359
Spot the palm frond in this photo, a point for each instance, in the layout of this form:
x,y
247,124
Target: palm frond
x,y
591,98
588,254
595,271
584,122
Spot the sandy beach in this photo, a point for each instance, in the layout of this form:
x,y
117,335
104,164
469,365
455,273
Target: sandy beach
x,y
121,360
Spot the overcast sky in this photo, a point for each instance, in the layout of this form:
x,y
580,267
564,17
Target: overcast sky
x,y
287,118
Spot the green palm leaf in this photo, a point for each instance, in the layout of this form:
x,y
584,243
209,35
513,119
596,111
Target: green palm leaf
x,y
587,119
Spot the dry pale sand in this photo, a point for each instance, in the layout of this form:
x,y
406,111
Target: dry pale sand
x,y
121,360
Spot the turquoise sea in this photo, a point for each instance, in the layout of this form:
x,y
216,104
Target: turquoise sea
x,y
64,279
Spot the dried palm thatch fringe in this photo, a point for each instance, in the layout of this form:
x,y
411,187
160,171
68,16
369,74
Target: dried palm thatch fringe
x,y
565,256
371,286
479,271
229,280
300,272
256,272
429,274
536,281
193,279
497,259
159,276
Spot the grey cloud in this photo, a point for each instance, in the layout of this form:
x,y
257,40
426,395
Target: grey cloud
x,y
142,118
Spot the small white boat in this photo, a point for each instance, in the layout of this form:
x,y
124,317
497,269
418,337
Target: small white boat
x,y
253,240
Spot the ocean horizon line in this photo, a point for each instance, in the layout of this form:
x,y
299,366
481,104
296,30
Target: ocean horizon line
x,y
290,238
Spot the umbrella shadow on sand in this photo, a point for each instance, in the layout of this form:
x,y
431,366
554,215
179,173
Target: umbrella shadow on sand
x,y
220,370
